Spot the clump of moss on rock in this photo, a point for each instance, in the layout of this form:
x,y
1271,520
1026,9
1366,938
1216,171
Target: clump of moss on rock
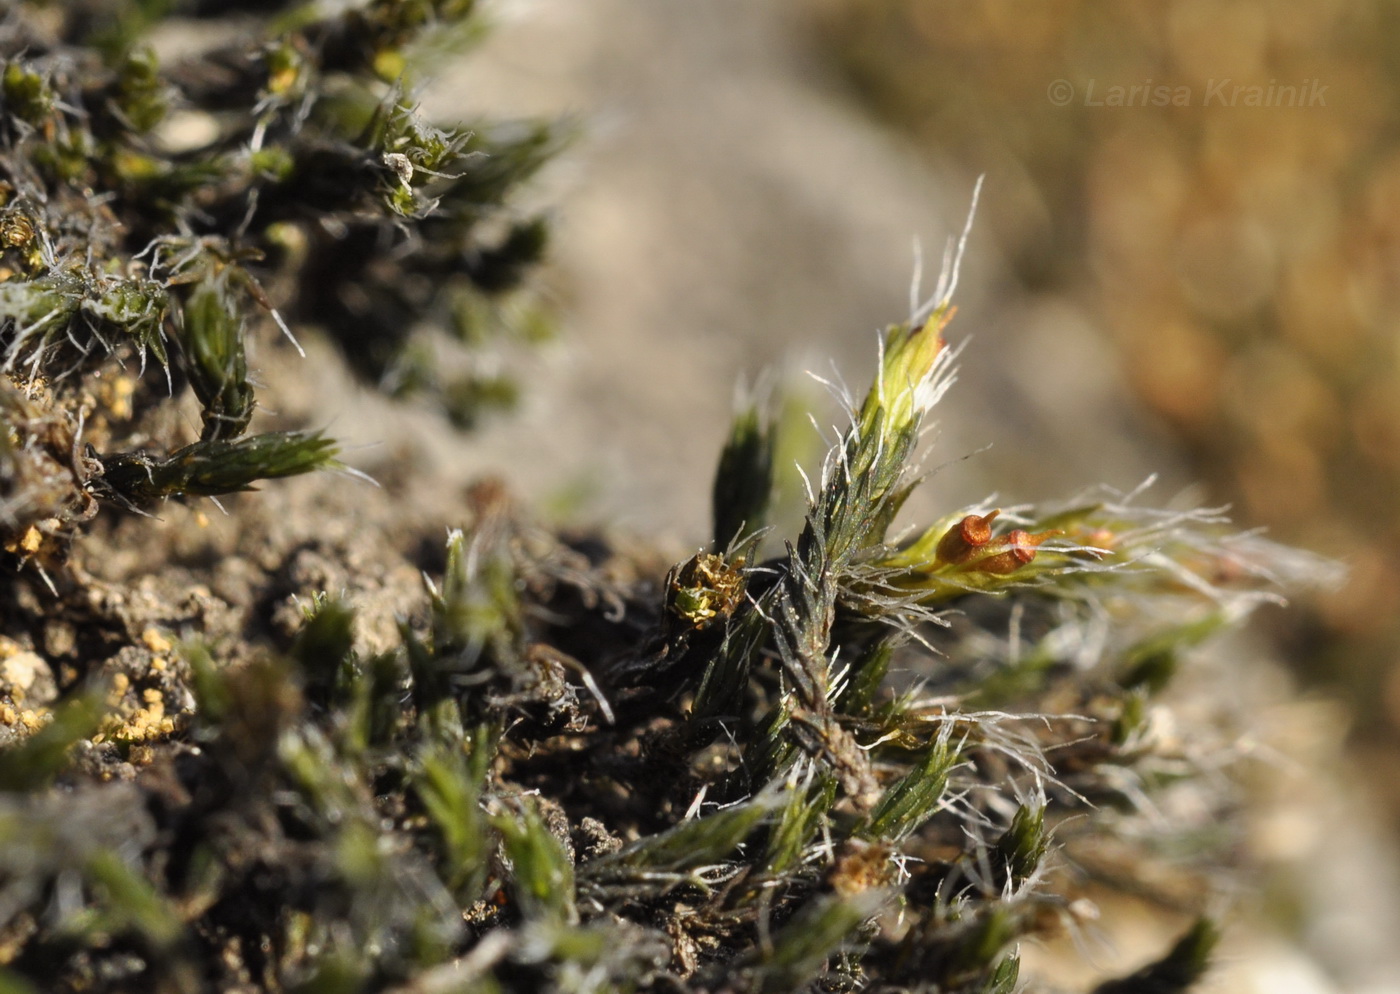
x,y
833,760
149,215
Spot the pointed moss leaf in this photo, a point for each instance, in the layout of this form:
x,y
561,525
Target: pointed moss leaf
x,y
693,843
375,711
214,468
850,513
974,946
867,675
911,377
136,308
212,695
26,92
1021,847
505,155
913,799
743,480
429,684
771,749
541,875
478,607
327,791
448,784
141,94
1004,976
35,315
727,673
132,902
322,648
802,815
1177,971
212,336
801,948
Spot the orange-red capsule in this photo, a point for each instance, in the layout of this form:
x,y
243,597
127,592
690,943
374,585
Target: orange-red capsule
x,y
1019,550
963,541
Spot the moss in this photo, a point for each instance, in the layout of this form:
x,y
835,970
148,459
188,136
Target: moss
x,y
554,766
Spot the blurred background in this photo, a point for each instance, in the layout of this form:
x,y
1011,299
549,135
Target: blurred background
x,y
1186,262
